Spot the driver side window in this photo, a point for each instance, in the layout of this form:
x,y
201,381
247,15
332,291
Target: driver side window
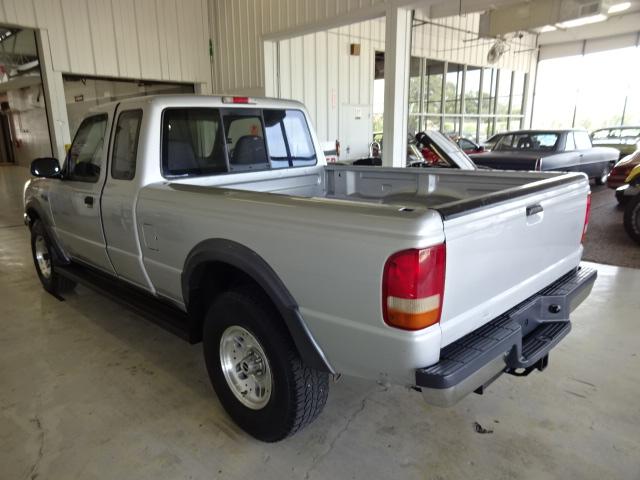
x,y
85,156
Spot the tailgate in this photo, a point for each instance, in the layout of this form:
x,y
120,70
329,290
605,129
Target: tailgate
x,y
504,247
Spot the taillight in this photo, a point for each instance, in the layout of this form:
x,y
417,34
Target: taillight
x,y
337,148
413,287
586,218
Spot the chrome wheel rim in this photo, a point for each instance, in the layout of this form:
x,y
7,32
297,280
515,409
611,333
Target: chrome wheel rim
x,y
42,256
245,367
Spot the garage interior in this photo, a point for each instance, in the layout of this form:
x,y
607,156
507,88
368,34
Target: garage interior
x,y
90,389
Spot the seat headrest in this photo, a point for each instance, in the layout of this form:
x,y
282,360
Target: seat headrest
x,y
249,150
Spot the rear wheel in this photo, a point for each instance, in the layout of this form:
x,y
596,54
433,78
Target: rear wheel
x,y
255,369
632,218
43,259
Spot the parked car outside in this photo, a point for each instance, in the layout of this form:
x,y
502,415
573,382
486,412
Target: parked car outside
x,y
561,150
624,139
622,169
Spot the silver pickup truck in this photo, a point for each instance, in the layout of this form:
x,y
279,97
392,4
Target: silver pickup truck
x,y
218,218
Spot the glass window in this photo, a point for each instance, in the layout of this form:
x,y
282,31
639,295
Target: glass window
x,y
192,142
470,128
569,144
85,156
465,144
433,86
583,142
451,125
288,138
125,145
453,89
531,141
489,76
517,89
432,123
415,79
472,90
504,93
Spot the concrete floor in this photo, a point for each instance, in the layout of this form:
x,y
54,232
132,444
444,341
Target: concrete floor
x,y
90,390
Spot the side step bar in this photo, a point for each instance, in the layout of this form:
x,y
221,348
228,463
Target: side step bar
x,y
164,314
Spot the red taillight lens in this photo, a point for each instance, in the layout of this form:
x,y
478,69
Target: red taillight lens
x,y
413,287
236,100
586,218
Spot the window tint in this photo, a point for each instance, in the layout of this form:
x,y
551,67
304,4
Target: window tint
x,y
570,143
85,156
288,138
125,145
192,142
582,140
245,141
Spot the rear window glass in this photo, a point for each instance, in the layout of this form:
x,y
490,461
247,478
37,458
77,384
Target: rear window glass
x,y
206,141
530,141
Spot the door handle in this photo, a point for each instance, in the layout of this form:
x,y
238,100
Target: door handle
x,y
88,201
533,209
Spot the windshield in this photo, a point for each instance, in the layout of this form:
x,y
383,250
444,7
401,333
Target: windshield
x,y
528,141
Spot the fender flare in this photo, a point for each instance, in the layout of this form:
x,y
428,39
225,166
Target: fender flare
x,y
250,263
62,257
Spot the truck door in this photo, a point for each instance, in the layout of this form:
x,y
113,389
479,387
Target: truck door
x,y
75,200
119,197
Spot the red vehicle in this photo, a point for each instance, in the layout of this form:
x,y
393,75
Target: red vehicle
x,y
622,169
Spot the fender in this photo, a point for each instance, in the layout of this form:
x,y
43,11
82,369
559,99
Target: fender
x,y
61,256
249,262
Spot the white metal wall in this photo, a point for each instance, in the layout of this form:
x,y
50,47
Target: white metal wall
x,y
143,39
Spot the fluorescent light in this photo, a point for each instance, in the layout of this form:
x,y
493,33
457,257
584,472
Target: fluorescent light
x,y
578,22
619,7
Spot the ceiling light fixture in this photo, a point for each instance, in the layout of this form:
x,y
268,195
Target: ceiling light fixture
x,y
619,7
578,22
545,29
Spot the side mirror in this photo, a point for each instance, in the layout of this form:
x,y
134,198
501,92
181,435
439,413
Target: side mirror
x,y
47,167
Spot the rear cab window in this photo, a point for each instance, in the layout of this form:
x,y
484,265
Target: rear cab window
x,y
209,141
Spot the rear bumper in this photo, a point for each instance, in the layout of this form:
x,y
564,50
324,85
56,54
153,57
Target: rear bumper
x,y
516,342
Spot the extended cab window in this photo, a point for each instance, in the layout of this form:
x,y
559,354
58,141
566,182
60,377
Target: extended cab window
x,y
288,138
192,142
85,156
125,145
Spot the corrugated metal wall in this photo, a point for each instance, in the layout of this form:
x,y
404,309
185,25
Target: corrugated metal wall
x,y
142,39
240,26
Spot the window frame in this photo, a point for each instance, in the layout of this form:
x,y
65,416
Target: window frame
x,y
221,113
115,137
66,174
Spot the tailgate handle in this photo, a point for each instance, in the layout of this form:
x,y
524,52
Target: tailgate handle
x,y
533,209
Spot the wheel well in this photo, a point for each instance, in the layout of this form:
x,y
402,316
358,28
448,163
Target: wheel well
x,y
32,214
207,282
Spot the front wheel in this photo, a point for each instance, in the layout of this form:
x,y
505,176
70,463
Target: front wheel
x,y
632,218
255,369
43,259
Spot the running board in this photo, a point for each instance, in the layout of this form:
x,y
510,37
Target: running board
x,y
160,312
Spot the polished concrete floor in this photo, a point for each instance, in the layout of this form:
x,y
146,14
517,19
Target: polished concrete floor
x,y
89,390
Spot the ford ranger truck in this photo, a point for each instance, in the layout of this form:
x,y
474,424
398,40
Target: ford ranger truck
x,y
218,218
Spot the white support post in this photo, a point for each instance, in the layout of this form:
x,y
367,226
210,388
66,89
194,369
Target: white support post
x,y
396,86
54,98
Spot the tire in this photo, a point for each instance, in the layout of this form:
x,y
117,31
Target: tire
x,y
280,394
44,259
632,218
602,179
